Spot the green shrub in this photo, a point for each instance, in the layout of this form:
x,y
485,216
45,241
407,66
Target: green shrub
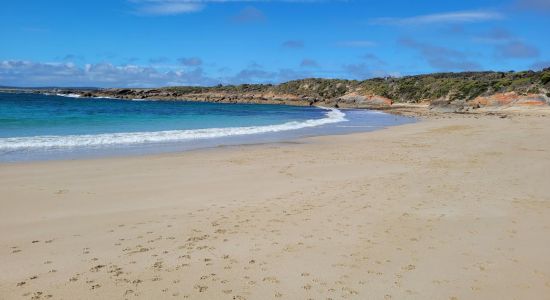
x,y
464,86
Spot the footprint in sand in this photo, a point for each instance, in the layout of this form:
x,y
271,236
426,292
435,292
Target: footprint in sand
x,y
409,267
96,268
271,279
201,288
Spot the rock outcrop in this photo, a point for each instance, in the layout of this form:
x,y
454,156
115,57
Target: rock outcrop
x,y
511,99
445,92
356,100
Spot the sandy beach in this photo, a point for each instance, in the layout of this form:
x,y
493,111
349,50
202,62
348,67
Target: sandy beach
x,y
448,208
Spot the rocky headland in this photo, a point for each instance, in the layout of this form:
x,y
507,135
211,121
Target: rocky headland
x,y
438,93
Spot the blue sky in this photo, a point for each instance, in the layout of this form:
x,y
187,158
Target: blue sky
x,y
119,43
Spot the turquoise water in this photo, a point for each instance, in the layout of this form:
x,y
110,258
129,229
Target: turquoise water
x,y
34,114
35,126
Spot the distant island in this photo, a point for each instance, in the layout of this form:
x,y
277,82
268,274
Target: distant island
x,y
455,92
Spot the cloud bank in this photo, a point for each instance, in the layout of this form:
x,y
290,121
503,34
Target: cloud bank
x,y
67,74
28,73
448,17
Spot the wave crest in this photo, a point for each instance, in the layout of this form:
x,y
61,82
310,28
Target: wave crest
x,y
108,139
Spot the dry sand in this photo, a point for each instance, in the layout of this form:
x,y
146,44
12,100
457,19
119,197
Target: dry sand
x,y
443,209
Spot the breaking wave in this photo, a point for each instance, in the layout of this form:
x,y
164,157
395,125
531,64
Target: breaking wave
x,y
108,139
69,95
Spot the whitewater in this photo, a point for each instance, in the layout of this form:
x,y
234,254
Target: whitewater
x,y
332,116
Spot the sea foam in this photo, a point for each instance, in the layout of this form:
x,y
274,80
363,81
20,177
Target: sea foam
x,y
69,95
108,139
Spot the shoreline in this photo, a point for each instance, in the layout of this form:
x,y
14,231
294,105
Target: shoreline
x,y
223,147
315,122
501,104
443,208
418,112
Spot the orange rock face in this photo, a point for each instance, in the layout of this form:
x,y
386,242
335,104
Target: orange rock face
x,y
511,99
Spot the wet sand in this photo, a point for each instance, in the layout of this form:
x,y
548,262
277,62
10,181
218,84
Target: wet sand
x,y
454,208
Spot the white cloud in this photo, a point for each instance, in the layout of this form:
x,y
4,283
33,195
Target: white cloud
x,y
67,74
448,17
175,7
165,7
28,73
170,8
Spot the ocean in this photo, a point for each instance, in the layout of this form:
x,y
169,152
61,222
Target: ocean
x,y
43,127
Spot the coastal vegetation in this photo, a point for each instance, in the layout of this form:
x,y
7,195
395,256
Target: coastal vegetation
x,y
437,88
458,86
452,86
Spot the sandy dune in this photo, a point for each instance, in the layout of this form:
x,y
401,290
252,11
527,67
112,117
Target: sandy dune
x,y
443,209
